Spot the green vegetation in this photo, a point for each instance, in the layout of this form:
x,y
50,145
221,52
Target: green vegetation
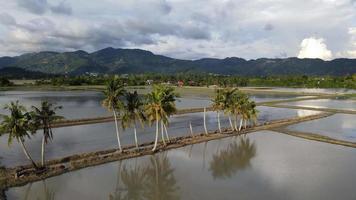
x,y
233,102
4,82
113,92
133,111
189,79
43,117
18,126
134,61
160,105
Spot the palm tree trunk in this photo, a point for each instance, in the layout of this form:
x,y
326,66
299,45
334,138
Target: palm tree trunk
x,y
156,139
219,125
232,127
245,124
135,133
191,129
165,130
240,124
162,134
43,151
117,130
236,123
27,154
205,129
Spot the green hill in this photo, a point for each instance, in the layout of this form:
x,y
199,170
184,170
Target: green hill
x,y
110,60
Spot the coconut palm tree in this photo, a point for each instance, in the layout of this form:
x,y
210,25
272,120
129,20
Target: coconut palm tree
x,y
43,117
227,100
113,91
218,104
133,112
159,106
253,112
17,125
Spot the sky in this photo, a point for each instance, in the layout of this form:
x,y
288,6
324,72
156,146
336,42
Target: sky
x,y
183,29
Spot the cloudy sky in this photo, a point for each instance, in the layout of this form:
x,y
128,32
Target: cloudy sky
x,y
182,28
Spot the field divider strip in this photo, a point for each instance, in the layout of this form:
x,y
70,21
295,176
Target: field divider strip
x,y
315,137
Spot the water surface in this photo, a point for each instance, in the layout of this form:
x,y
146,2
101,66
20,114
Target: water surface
x,y
342,104
338,126
93,137
87,104
262,165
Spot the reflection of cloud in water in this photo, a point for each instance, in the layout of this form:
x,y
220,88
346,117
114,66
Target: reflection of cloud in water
x,y
303,113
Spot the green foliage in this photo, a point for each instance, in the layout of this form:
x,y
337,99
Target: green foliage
x,y
4,82
113,91
133,110
160,103
43,117
207,79
134,61
16,124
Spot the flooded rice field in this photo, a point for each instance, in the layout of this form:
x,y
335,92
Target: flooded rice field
x,y
262,165
85,138
338,126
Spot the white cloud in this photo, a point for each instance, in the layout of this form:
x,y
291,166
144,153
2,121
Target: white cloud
x,y
314,48
178,28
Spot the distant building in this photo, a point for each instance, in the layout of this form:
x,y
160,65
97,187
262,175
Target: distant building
x,y
180,83
149,82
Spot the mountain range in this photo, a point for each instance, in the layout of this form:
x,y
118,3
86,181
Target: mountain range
x,y
126,61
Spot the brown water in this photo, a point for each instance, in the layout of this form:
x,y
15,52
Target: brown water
x,y
262,165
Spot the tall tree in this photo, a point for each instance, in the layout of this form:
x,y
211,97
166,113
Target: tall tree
x,y
133,112
17,125
159,106
43,117
218,104
113,92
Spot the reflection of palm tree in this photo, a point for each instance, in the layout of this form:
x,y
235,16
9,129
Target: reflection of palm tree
x,y
237,156
49,194
133,179
160,183
117,194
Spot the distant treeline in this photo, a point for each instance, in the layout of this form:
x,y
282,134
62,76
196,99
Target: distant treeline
x,y
208,80
4,82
